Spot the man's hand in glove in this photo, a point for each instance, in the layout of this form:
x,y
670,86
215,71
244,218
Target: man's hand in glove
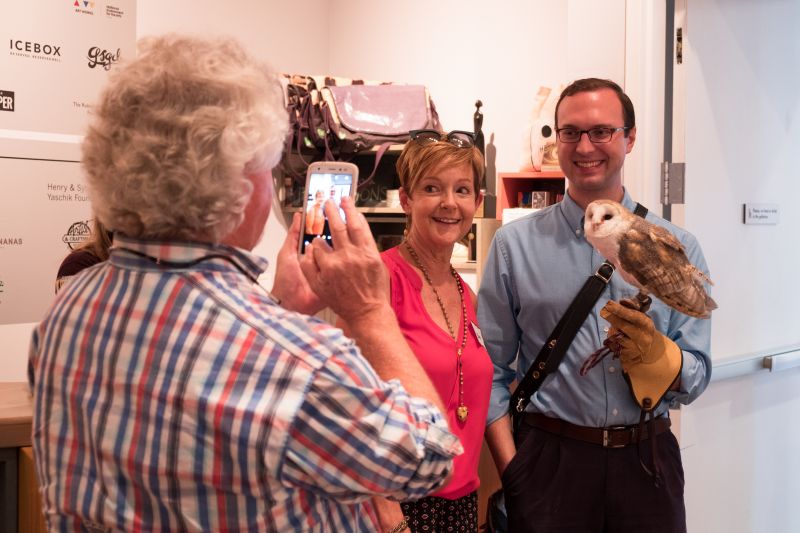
x,y
651,361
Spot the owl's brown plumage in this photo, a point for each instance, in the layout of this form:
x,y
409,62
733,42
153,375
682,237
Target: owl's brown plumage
x,y
648,257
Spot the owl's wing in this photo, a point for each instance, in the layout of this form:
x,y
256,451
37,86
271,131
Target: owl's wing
x,y
665,238
658,261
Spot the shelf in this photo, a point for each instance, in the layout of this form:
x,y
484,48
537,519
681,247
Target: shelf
x,y
310,155
393,149
532,175
465,265
373,210
381,210
509,184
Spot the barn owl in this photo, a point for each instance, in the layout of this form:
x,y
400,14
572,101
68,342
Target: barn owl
x,y
648,257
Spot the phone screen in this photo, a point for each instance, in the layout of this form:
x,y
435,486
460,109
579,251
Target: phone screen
x,y
322,186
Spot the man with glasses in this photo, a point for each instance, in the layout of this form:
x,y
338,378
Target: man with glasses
x,y
580,459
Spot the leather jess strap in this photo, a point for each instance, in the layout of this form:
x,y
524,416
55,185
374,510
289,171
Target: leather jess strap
x,y
610,437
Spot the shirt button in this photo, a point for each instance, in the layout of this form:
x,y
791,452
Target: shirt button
x,y
614,412
605,329
612,369
577,232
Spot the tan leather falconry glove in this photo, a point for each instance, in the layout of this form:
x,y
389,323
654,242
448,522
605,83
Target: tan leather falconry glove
x,y
651,361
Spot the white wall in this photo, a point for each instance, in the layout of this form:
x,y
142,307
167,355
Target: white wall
x,y
291,36
740,445
742,132
464,50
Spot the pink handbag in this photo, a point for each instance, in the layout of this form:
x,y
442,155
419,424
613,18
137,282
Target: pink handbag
x,y
360,117
368,115
341,117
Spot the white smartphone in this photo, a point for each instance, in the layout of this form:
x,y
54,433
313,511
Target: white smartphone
x,y
325,180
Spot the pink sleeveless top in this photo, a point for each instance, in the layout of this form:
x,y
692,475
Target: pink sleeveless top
x,y
436,351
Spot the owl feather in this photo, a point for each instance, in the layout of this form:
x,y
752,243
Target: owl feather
x,y
648,257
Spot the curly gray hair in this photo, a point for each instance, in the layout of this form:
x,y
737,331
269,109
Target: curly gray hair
x,y
175,134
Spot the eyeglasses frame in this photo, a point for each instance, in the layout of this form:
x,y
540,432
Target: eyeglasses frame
x,y
588,134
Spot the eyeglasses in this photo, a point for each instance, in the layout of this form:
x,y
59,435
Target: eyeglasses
x,y
459,138
596,135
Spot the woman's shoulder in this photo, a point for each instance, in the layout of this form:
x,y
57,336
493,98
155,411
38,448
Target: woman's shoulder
x,y
402,277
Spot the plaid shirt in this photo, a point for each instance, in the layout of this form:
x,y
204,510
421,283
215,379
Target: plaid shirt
x,y
175,395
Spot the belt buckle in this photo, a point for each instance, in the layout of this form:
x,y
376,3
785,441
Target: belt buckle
x,y
608,441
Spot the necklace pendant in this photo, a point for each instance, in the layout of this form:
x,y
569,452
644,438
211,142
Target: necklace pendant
x,y
462,413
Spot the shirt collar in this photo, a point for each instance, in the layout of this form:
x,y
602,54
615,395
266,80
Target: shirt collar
x,y
574,214
176,255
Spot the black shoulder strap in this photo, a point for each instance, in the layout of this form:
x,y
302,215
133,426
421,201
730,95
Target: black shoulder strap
x,y
558,341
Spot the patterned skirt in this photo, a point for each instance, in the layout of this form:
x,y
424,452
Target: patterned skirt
x,y
440,515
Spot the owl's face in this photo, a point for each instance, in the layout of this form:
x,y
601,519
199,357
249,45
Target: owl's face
x,y
605,218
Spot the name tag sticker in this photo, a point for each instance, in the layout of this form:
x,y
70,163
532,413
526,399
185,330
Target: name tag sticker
x,y
477,331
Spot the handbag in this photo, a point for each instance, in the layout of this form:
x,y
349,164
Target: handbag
x,y
335,118
360,117
363,116
548,359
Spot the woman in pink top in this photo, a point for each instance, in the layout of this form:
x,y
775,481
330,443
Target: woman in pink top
x,y
440,177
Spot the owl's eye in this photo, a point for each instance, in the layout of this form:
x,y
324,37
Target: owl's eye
x,y
607,216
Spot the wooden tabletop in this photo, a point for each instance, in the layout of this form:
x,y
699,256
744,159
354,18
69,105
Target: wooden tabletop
x,y
16,411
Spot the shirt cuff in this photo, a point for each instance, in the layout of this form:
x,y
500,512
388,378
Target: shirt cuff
x,y
437,436
688,378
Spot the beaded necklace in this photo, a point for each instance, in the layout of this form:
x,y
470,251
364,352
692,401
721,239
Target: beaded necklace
x,y
461,411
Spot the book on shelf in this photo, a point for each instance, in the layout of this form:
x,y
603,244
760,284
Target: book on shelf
x,y
534,199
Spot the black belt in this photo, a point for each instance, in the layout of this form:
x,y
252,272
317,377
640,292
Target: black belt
x,y
610,437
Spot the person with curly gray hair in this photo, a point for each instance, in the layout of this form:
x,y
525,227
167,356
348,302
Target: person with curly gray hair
x,y
171,391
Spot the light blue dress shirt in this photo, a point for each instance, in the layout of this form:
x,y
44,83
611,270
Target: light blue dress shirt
x,y
536,266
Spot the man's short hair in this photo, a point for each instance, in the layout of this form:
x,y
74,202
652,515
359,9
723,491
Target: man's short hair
x,y
594,84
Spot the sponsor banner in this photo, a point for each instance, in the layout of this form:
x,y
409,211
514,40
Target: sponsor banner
x,y
84,7
78,233
100,57
115,11
44,214
59,54
55,57
6,100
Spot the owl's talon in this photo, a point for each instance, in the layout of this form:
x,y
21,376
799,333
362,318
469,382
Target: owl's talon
x,y
630,303
641,302
644,302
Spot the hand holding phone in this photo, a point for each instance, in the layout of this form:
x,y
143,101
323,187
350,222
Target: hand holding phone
x,y
325,180
290,286
350,277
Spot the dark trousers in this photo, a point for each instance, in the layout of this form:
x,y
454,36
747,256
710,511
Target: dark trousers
x,y
555,483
